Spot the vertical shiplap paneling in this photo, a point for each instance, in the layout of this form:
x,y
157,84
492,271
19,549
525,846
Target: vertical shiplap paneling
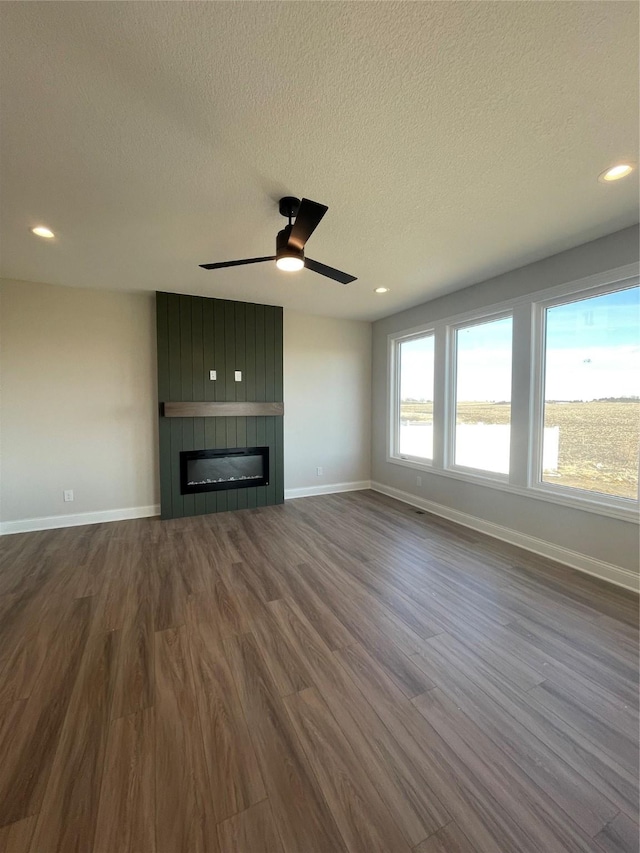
x,y
250,353
188,501
261,440
208,350
220,365
197,350
269,351
232,441
241,441
278,371
260,363
231,428
270,424
196,335
210,363
241,432
162,335
249,495
199,378
173,333
165,467
279,461
221,441
252,442
222,383
230,349
210,439
177,503
186,350
175,390
239,500
186,381
240,354
200,500
210,498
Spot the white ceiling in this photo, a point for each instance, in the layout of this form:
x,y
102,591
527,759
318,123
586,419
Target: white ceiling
x,y
451,141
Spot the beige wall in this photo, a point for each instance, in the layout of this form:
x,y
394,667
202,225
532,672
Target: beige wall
x,y
327,393
78,400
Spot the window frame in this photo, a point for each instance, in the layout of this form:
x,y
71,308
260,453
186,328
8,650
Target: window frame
x,y
570,494
395,342
523,477
451,383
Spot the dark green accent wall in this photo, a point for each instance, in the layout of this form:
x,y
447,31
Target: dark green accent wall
x,y
196,335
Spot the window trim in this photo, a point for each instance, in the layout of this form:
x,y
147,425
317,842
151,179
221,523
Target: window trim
x,y
538,359
451,382
393,445
619,278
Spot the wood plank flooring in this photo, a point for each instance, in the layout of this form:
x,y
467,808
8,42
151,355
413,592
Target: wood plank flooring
x,y
334,675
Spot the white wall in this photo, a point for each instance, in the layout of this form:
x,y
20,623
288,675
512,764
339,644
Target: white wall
x,y
327,395
78,405
604,542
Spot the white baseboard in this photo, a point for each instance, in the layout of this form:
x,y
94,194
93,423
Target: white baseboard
x,y
581,562
51,522
330,489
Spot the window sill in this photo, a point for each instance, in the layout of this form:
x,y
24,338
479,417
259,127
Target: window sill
x,y
412,462
537,493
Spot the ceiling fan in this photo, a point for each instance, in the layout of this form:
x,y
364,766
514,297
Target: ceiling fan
x,y
304,217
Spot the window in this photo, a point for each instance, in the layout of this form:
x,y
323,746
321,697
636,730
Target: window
x,y
415,412
591,399
483,396
538,396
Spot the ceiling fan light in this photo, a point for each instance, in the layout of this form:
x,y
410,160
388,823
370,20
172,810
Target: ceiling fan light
x,y
290,263
288,258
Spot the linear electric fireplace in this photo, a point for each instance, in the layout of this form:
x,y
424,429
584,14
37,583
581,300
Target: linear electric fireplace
x,y
231,468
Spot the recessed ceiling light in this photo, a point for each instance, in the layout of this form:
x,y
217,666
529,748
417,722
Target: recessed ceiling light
x,y
41,231
381,290
616,172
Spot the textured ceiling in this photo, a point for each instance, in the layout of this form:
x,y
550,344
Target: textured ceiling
x,y
451,141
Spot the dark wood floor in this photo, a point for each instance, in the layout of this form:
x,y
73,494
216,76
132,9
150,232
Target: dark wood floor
x,y
336,674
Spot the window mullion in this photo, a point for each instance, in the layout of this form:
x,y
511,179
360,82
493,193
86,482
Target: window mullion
x,y
441,397
521,395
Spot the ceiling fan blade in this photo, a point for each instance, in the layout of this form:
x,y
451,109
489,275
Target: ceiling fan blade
x,y
236,263
330,272
307,220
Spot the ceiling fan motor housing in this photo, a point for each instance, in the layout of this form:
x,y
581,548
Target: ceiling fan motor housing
x,y
283,249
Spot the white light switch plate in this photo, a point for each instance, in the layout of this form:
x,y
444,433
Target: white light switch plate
x,y
238,376
68,494
213,375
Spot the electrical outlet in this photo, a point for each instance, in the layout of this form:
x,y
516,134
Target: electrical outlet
x,y
68,495
238,375
319,472
419,481
213,375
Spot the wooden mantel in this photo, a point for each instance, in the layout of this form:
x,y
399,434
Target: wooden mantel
x,y
221,410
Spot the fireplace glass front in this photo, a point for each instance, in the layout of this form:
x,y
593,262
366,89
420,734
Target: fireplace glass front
x,y
231,468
